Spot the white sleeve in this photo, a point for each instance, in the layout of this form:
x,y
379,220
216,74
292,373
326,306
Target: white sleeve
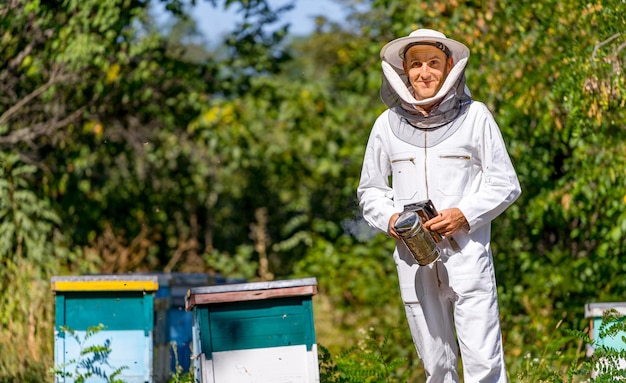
x,y
374,192
499,187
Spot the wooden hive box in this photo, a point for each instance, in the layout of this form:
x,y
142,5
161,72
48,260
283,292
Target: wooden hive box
x,y
255,332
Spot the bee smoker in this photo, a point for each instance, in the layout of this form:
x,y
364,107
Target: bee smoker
x,y
418,240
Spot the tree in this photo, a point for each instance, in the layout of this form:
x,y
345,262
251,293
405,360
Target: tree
x,y
552,73
90,97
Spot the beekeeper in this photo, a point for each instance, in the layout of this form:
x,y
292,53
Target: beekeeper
x,y
435,143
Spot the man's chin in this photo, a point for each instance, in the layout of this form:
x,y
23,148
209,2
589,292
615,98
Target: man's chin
x,y
425,95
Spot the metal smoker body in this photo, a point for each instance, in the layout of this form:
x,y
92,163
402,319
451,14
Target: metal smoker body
x,y
417,239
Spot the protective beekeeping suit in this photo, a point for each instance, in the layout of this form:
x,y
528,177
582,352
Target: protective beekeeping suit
x,y
435,143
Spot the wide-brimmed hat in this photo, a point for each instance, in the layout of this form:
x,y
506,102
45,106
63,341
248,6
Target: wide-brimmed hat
x,y
393,51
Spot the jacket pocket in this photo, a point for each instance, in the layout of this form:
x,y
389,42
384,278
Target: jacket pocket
x,y
454,173
404,175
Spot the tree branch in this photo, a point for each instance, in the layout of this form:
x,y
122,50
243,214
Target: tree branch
x,y
603,43
54,79
28,134
11,5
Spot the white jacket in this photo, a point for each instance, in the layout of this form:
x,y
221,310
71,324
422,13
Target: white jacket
x,y
470,170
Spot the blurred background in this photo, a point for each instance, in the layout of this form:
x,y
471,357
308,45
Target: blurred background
x,y
226,137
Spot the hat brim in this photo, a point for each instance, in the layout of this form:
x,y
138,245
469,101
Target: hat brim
x,y
392,50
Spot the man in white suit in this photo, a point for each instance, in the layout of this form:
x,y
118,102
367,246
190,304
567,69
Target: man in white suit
x,y
435,143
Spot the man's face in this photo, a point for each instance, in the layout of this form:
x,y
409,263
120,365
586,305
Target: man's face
x,y
427,68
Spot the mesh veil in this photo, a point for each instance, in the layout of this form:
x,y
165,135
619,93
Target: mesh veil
x,y
444,118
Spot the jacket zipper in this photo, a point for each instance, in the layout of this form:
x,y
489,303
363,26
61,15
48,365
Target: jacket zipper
x,y
412,159
455,157
428,194
426,165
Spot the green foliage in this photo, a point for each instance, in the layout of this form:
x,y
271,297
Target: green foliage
x,y
239,265
367,361
27,222
255,47
304,162
30,246
355,274
92,361
557,364
370,360
567,148
550,363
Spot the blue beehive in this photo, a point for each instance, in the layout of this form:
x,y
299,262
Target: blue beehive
x,y
179,320
124,305
255,332
173,324
161,342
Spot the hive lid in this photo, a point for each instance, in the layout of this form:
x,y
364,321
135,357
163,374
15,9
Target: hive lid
x,y
594,310
105,283
250,291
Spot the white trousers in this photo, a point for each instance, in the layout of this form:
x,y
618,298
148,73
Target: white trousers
x,y
440,312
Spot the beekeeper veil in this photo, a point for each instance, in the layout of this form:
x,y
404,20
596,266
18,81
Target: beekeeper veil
x,y
448,105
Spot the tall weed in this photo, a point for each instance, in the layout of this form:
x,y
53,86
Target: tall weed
x,y
26,323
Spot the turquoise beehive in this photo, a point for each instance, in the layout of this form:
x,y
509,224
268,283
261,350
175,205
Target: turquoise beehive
x,y
595,312
255,332
124,306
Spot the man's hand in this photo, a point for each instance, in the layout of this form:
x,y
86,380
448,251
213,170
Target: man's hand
x,y
448,222
390,229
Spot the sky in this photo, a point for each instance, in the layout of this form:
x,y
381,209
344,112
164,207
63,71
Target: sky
x,y
215,22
